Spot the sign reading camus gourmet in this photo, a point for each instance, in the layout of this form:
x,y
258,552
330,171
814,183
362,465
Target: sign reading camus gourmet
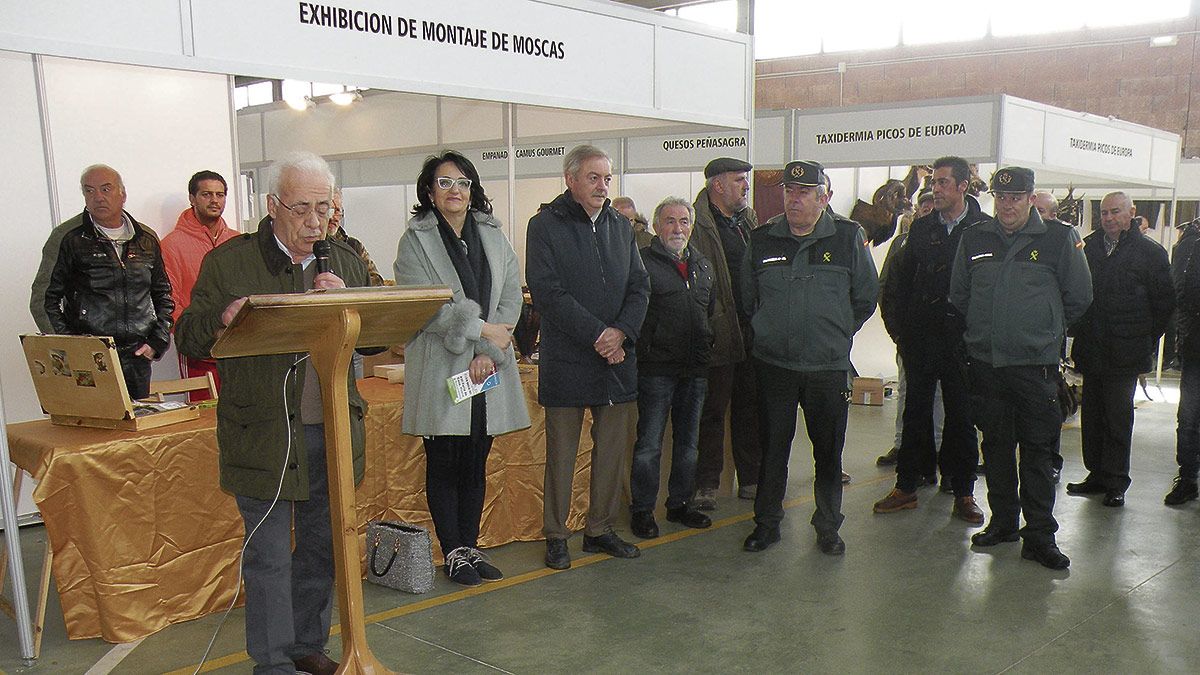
x,y
685,152
531,160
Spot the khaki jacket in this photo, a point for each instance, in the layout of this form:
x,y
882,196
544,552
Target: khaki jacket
x,y
729,346
253,421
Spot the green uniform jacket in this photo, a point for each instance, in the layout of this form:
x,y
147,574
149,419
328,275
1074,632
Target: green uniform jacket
x,y
1019,293
729,346
808,296
252,425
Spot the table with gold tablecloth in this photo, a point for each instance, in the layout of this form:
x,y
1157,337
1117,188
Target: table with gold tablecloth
x,y
143,537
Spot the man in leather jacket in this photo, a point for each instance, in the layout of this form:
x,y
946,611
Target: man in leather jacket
x,y
102,274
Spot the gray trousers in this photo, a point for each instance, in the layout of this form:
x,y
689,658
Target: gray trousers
x,y
611,425
289,593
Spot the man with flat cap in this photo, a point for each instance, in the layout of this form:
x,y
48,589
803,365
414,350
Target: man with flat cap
x,y
808,284
1019,281
724,221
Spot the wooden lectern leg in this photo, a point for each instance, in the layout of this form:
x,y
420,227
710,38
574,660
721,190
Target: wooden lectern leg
x,y
330,356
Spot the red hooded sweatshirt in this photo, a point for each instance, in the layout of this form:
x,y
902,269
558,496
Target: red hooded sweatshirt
x,y
183,250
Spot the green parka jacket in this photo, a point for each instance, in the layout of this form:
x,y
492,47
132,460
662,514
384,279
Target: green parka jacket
x,y
729,346
252,425
1019,293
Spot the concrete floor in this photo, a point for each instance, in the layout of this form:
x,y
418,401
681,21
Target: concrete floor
x,y
909,596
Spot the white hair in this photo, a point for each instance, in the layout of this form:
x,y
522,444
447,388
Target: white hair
x,y
298,162
1122,196
673,201
102,167
580,154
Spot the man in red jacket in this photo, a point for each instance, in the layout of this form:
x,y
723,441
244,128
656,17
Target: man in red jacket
x,y
200,229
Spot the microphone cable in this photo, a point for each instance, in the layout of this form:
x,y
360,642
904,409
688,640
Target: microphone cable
x,y
274,500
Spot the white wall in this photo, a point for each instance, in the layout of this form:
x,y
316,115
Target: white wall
x,y
29,209
648,189
376,216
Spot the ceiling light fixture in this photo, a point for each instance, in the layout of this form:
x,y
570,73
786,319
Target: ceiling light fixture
x,y
303,103
345,97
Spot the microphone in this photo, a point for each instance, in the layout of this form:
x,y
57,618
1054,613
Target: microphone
x,y
321,251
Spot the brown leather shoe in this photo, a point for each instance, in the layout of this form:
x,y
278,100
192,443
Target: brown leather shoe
x,y
316,664
896,500
966,509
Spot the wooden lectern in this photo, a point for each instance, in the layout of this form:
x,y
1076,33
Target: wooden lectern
x,y
328,325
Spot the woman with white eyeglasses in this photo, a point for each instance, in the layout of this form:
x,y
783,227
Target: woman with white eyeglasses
x,y
453,240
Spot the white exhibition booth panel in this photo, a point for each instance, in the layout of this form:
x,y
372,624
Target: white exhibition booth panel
x,y
376,171
1062,146
864,146
148,90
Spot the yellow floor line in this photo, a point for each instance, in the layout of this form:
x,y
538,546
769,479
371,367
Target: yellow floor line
x,y
508,582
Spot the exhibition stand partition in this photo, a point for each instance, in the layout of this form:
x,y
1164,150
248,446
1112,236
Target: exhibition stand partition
x,y
862,146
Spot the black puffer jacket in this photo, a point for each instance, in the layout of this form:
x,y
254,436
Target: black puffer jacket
x,y
584,277
1185,273
914,295
92,291
676,338
1132,301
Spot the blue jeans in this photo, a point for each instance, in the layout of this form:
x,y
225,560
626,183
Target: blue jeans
x,y
1187,435
682,398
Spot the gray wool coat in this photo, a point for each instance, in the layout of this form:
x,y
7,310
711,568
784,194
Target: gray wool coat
x,y
451,339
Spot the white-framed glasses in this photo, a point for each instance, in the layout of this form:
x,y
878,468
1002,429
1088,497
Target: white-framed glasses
x,y
302,209
446,182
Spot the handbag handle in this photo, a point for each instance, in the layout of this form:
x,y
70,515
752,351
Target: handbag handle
x,y
375,551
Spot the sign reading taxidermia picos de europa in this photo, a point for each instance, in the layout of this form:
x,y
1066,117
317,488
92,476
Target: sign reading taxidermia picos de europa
x,y
410,28
890,134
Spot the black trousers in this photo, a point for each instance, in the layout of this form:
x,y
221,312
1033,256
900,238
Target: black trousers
x,y
1106,418
959,453
456,481
824,397
136,370
1018,406
732,386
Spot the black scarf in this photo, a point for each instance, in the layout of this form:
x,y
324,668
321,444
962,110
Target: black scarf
x,y
470,262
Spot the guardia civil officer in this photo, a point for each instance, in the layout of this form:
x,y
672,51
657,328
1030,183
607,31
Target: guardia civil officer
x,y
808,284
1019,282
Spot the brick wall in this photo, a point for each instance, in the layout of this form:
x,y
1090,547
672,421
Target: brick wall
x,y
1105,72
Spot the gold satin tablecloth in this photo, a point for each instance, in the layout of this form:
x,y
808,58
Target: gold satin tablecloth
x,y
143,536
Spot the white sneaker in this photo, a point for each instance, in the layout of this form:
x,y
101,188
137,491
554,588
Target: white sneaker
x,y
706,499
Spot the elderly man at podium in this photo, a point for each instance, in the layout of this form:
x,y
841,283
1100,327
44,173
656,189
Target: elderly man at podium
x,y
274,466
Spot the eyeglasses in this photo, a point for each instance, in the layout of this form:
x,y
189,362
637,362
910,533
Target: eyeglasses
x,y
446,182
1010,197
302,209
